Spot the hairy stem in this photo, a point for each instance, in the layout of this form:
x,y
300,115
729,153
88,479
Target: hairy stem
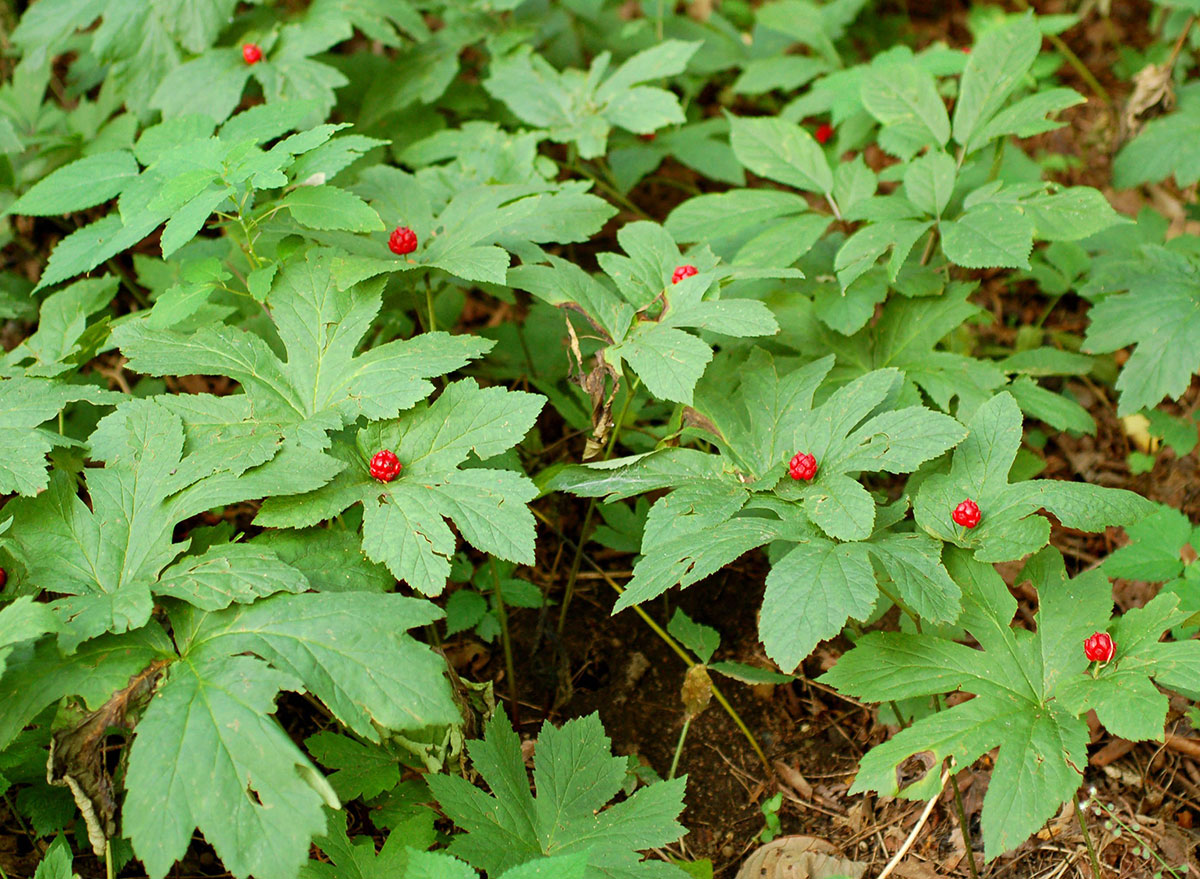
x,y
1087,837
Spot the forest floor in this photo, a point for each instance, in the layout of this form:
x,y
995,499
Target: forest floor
x,y
811,736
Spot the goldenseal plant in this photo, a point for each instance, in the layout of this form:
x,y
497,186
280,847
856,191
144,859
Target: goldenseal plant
x,y
320,318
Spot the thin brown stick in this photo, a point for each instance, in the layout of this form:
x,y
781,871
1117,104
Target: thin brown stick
x,y
912,836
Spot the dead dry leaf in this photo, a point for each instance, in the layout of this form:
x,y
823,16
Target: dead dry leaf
x,y
799,857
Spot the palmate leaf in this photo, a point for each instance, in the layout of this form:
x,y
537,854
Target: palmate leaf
x,y
323,385
463,236
576,776
903,96
1123,694
107,556
403,855
1000,222
362,770
722,506
207,753
39,673
1010,527
1016,677
251,802
26,403
403,520
668,359
906,337
1155,311
227,574
483,153
583,108
189,171
1165,147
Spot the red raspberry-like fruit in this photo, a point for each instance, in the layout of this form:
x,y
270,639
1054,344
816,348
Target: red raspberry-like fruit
x,y
1099,647
385,466
682,272
824,133
402,240
3,577
648,138
802,466
251,53
966,514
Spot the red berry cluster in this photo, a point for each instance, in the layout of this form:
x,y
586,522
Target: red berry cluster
x,y
385,466
648,138
1099,647
802,467
966,514
824,133
402,240
3,577
682,272
251,53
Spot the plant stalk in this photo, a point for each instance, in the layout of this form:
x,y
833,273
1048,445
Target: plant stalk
x,y
668,640
569,590
1087,837
962,823
687,721
506,640
1076,64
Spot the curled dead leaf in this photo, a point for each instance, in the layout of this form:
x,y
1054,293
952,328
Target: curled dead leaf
x,y
594,383
77,754
1152,88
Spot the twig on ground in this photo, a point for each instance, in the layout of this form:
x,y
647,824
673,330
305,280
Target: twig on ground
x,y
912,836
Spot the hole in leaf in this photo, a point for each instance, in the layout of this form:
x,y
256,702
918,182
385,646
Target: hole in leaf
x,y
914,768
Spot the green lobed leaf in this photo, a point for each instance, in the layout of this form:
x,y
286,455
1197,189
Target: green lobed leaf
x,y
208,756
575,776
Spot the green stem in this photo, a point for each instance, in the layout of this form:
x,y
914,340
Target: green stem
x,y
1071,58
997,159
429,305
928,252
962,823
960,812
1145,844
896,600
506,640
569,591
241,218
667,639
609,190
108,861
1049,308
687,721
20,821
1087,837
